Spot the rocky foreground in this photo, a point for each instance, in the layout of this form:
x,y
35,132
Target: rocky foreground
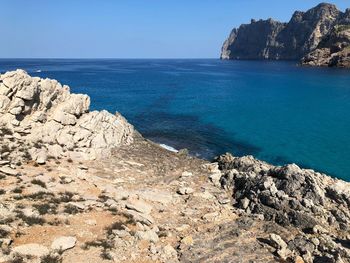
x,y
318,37
81,186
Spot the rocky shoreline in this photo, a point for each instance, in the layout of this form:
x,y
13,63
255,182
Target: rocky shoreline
x,y
85,186
317,37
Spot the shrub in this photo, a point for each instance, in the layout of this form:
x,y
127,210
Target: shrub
x,y
30,220
17,190
44,209
50,258
71,209
38,182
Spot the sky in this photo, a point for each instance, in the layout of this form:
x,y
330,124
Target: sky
x,y
131,28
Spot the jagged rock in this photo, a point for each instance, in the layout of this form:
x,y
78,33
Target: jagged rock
x,y
314,35
46,113
63,243
309,201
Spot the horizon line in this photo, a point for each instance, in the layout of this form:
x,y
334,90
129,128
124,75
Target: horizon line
x,y
107,58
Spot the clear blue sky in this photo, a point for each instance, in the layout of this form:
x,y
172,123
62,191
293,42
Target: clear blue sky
x,y
130,28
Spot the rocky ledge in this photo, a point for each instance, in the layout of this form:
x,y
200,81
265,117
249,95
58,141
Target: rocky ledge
x,y
61,202
318,37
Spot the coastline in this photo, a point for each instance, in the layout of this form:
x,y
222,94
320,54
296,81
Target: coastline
x,y
98,189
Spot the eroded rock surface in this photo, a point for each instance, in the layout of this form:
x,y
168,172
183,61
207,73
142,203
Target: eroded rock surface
x,y
41,118
314,204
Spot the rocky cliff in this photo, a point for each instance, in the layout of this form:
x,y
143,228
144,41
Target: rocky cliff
x,y
304,33
50,121
81,186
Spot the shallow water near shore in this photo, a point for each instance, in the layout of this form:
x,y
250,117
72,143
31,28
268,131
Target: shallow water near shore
x,y
276,111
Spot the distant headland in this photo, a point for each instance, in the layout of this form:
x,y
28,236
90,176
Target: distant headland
x,y
317,37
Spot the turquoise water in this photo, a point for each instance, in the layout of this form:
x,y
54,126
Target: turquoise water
x,y
276,111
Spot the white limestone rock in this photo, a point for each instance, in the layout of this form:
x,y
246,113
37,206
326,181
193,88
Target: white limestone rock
x,y
63,243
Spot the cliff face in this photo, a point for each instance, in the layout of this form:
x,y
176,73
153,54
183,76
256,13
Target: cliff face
x,y
269,39
334,48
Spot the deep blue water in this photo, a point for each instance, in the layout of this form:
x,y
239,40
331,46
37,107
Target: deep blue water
x,y
276,111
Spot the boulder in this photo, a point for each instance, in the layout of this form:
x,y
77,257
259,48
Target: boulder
x,y
63,243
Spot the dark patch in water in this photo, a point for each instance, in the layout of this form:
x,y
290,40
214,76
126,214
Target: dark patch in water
x,y
186,131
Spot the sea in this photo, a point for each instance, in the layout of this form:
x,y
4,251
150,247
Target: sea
x,y
276,111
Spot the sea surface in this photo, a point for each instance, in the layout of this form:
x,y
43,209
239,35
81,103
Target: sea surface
x,y
277,111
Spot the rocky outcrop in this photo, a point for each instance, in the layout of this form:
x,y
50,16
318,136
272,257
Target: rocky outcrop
x,y
313,203
269,39
41,118
333,50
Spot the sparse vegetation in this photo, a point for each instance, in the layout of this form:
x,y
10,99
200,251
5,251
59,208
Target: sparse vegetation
x,y
105,244
47,208
39,195
103,197
17,259
71,209
3,233
2,191
65,197
39,182
340,28
51,258
5,131
17,190
30,220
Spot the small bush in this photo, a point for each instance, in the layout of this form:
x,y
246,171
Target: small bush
x,y
39,195
71,209
17,258
3,233
39,182
2,191
51,259
44,209
6,131
30,220
65,197
17,190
